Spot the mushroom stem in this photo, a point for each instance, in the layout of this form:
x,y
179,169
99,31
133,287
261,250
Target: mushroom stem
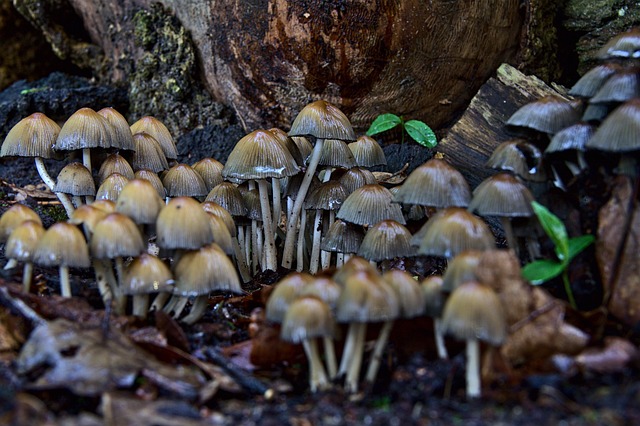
x,y
300,247
140,305
439,338
27,274
349,347
325,256
160,301
277,203
314,263
48,180
11,263
121,299
65,285
177,305
317,376
473,368
86,158
240,261
376,356
255,258
339,259
267,223
197,309
106,280
351,382
314,159
77,201
330,356
512,242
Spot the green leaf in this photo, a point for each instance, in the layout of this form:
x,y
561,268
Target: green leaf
x,y
554,228
382,123
577,244
540,271
421,133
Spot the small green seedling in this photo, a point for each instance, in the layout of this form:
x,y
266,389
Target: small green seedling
x,y
540,271
417,130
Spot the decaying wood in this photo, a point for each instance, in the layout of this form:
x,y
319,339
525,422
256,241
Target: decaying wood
x,y
473,138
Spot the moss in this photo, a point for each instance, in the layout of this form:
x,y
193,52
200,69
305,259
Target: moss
x,y
51,213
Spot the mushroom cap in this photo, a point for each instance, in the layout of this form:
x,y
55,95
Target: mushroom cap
x,y
386,239
294,182
433,295
85,128
154,179
33,136
624,45
221,234
368,152
342,237
199,272
356,177
140,201
336,153
549,114
13,217
148,153
324,288
307,318
284,292
75,179
520,157
229,197
62,245
370,204
182,224
322,120
435,184
304,146
159,132
451,231
122,136
474,311
107,206
620,131
216,209
252,201
589,84
115,163
461,269
21,244
259,155
572,138
288,142
366,297
620,87
147,274
353,265
111,187
182,180
116,235
327,196
503,195
408,291
87,215
210,170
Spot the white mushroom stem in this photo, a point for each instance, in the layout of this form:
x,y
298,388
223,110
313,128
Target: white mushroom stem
x,y
140,305
86,158
325,256
11,263
301,245
292,226
121,299
27,274
255,260
105,280
314,263
177,305
65,285
77,201
160,301
339,259
353,373
197,309
277,203
317,375
512,242
473,368
439,338
376,356
240,261
267,223
330,356
48,180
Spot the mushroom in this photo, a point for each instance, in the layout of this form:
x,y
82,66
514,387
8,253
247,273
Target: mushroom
x,y
344,238
521,158
433,305
76,180
260,156
625,45
148,154
307,319
474,312
115,163
620,87
145,274
182,180
386,240
210,170
64,246
34,136
460,270
547,115
183,225
589,84
140,201
356,177
154,179
284,293
13,217
122,136
367,152
320,120
111,187
369,205
568,146
21,246
156,129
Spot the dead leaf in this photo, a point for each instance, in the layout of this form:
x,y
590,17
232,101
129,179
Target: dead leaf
x,y
124,410
616,354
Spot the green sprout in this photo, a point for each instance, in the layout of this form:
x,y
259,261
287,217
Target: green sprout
x,y
540,271
417,130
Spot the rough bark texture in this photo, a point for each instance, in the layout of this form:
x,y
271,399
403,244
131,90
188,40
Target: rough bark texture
x,y
268,59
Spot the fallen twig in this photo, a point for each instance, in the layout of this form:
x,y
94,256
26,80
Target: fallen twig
x,y
248,382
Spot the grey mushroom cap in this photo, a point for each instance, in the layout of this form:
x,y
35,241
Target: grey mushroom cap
x,y
322,120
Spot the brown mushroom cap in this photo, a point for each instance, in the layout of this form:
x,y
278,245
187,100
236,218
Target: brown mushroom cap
x,y
210,170
307,317
326,196
33,136
85,128
216,209
435,184
21,244
159,132
502,195
619,87
589,84
221,234
520,157
356,177
105,205
461,269
288,142
284,293
87,215
572,138
111,187
624,45
199,272
342,237
140,201
148,153
325,289
154,179
433,295
353,265
365,297
182,180
549,114
115,163
368,152
62,245
147,274
386,239
474,311
304,146
122,136
322,120
408,291
13,217
116,235
182,224
370,204
336,153
75,179
620,131
229,197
